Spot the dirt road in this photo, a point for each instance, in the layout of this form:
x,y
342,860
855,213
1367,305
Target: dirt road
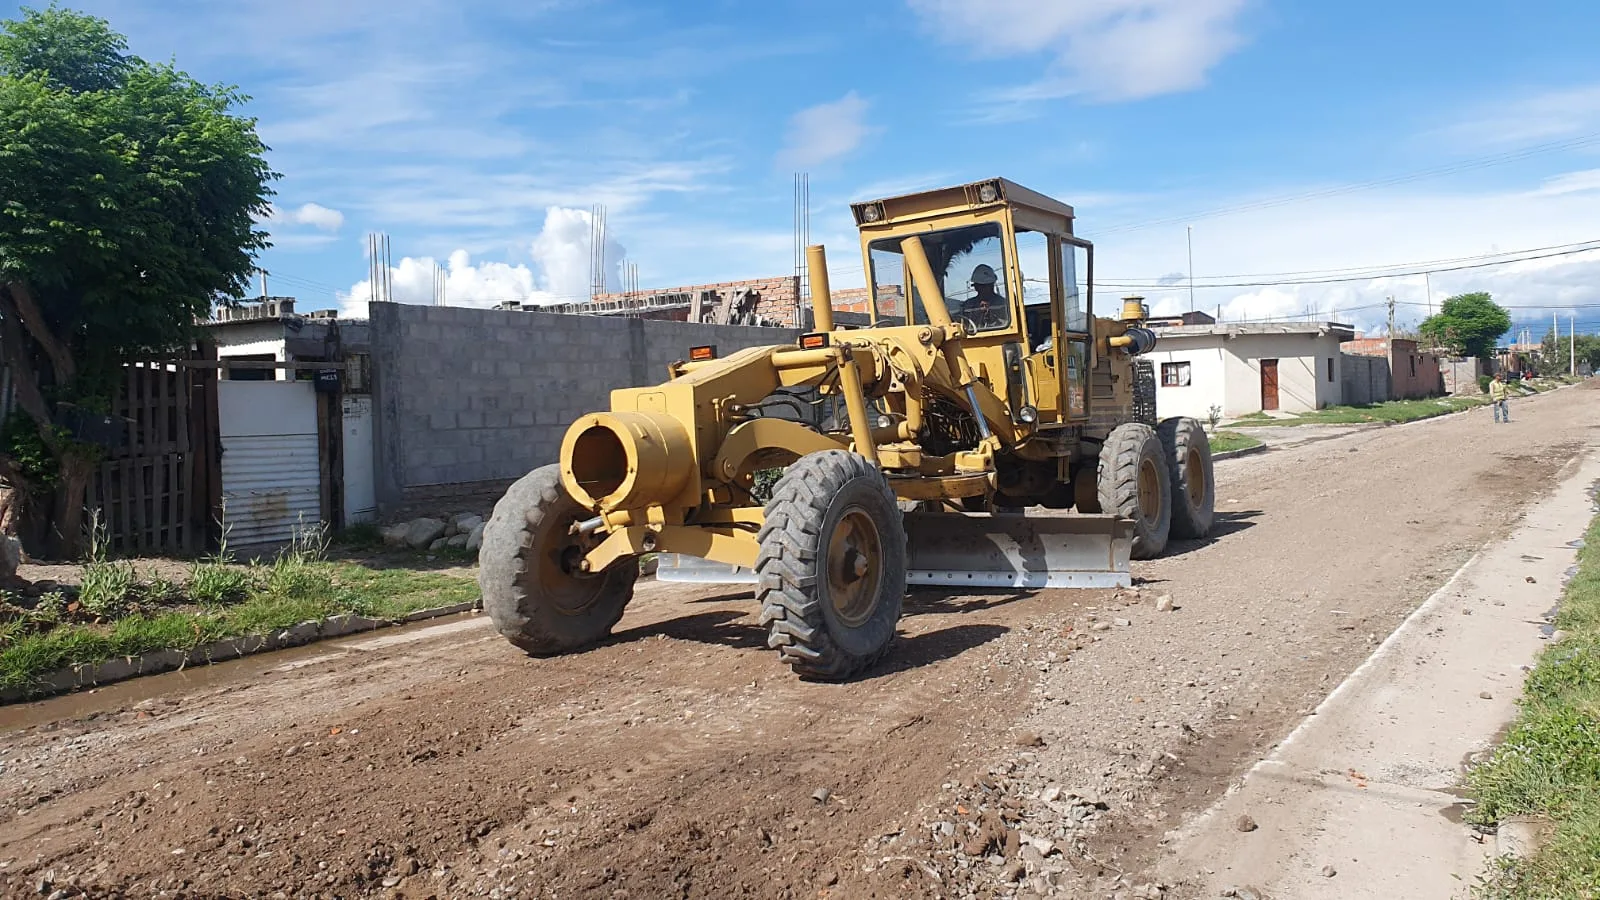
x,y
679,760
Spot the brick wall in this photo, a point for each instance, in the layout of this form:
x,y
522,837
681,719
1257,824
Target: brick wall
x,y
477,397
775,306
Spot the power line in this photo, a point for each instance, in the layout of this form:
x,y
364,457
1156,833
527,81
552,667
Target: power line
x,y
1587,247
1378,269
1435,172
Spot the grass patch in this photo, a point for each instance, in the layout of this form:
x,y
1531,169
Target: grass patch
x,y
1549,765
1391,412
1227,441
294,589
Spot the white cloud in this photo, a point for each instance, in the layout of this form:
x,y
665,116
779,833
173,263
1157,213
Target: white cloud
x,y
559,274
1527,118
825,132
314,215
1103,49
1571,183
318,216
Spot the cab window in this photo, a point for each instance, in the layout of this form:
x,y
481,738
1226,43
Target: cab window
x,y
969,265
1033,258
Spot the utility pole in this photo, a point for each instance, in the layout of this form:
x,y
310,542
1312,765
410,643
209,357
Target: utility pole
x,y
1428,281
1391,318
1189,229
1572,346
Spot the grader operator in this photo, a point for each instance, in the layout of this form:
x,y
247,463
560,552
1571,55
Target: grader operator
x,y
907,452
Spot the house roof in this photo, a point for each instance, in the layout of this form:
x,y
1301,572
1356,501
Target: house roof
x,y
1237,329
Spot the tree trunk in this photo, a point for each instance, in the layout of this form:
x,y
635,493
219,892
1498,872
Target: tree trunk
x,y
66,531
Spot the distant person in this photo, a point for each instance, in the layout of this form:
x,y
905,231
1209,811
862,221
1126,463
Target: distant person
x,y
1499,393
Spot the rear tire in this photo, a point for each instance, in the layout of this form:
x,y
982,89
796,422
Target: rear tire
x,y
832,566
527,571
1194,491
1134,483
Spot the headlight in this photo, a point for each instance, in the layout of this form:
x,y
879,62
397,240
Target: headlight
x,y
871,212
1028,415
885,422
989,193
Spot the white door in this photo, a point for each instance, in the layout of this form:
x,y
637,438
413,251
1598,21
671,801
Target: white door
x,y
360,489
271,481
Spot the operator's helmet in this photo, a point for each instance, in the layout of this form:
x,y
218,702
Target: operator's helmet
x,y
983,275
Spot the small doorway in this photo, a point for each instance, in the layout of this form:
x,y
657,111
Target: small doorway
x,y
1269,384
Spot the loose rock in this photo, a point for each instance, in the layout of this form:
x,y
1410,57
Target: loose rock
x,y
821,795
1329,871
1164,603
1246,824
1485,695
1029,739
423,532
395,535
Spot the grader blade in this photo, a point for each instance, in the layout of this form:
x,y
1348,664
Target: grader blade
x,y
978,550
1016,551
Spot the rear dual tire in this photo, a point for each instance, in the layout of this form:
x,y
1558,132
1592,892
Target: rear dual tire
x,y
1135,484
1194,490
1161,480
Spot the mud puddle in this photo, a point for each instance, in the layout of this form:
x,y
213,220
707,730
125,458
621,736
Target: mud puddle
x,y
101,700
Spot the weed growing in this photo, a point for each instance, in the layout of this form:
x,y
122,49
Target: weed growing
x,y
1549,765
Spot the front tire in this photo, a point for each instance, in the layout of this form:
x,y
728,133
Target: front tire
x,y
527,571
1194,490
1133,482
832,566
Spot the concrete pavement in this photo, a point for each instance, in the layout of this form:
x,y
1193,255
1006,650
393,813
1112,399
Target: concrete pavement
x,y
1359,801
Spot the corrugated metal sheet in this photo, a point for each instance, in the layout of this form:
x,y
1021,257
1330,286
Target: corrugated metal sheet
x,y
271,487
270,471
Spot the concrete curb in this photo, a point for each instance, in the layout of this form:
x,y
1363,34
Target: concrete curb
x,y
1246,451
155,662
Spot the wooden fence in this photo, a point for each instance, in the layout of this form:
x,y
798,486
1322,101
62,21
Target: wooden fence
x,y
160,492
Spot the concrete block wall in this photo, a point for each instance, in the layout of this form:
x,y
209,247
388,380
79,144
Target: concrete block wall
x,y
478,397
1460,376
1365,379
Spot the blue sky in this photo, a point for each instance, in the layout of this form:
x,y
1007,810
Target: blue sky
x,y
478,133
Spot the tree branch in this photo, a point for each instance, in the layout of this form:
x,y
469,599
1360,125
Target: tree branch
x,y
33,319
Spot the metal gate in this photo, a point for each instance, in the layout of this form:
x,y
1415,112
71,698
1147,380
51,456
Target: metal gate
x,y
271,472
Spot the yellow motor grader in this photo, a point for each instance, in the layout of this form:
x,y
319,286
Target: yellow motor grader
x,y
932,447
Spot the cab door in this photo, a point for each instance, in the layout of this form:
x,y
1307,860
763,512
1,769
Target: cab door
x,y
1074,287
1041,309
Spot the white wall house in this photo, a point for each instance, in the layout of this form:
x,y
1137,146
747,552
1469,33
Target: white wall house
x,y
1246,367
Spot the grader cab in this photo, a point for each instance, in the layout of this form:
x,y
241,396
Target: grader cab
x,y
944,444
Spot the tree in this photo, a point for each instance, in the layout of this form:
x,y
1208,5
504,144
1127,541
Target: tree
x,y
1468,324
1558,352
129,201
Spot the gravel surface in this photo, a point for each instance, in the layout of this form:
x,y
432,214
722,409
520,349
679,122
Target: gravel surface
x,y
1036,744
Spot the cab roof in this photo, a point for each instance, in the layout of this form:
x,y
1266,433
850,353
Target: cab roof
x,y
940,201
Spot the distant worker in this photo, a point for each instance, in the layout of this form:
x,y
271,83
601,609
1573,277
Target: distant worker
x,y
986,309
1499,393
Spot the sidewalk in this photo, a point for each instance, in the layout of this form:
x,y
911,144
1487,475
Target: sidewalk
x,y
1358,801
